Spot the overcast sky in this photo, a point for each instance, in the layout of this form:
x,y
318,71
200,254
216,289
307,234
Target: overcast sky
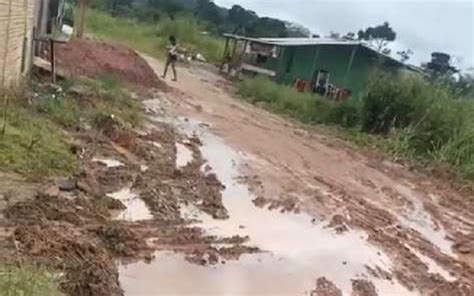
x,y
421,25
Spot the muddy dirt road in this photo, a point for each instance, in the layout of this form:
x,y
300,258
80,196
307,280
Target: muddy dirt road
x,y
208,195
327,218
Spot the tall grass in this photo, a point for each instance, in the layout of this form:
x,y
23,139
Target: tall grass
x,y
152,38
426,120
405,116
305,107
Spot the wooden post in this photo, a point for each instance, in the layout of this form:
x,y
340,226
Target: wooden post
x,y
7,42
80,21
53,61
226,49
6,102
234,49
242,55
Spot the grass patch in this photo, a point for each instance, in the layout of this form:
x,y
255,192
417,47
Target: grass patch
x,y
110,98
306,107
33,145
152,38
104,96
27,281
404,116
36,140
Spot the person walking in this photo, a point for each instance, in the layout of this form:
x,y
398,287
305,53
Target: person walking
x,y
172,58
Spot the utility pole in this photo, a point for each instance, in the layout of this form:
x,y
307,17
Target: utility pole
x,y
80,21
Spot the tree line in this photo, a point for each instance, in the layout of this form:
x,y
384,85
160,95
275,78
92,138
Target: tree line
x,y
237,19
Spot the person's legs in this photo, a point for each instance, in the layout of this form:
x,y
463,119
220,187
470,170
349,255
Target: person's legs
x,y
166,68
173,67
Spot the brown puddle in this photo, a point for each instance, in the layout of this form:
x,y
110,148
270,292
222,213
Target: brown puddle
x,y
184,155
136,209
297,249
108,162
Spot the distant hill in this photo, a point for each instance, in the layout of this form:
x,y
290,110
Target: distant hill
x,y
236,20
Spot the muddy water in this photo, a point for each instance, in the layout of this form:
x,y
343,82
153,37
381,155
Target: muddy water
x,y
419,219
297,249
183,155
136,208
110,163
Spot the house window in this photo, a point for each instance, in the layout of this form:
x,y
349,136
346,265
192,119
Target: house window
x,y
261,59
322,82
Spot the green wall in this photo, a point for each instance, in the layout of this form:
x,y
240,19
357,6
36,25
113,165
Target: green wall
x,y
302,61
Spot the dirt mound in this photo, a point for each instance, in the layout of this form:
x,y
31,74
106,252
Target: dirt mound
x,y
91,58
363,288
89,269
75,236
324,287
44,207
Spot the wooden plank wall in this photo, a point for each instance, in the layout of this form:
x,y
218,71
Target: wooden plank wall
x,y
16,40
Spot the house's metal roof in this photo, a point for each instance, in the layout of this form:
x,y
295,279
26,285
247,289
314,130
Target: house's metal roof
x,y
308,41
295,41
313,41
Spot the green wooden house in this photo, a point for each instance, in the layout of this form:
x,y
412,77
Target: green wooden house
x,y
331,67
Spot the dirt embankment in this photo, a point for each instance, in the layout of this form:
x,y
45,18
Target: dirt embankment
x,y
94,58
76,225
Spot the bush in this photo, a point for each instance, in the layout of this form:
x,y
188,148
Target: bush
x,y
421,119
416,119
306,107
346,114
391,102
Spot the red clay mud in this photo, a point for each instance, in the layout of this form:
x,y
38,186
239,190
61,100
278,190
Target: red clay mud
x,y
94,58
415,217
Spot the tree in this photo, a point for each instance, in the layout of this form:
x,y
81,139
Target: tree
x,y
379,36
405,55
334,35
238,15
267,27
350,36
386,51
296,30
209,11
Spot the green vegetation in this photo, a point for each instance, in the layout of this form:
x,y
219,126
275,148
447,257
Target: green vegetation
x,y
33,145
305,107
405,116
153,38
27,281
104,97
36,141
219,19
